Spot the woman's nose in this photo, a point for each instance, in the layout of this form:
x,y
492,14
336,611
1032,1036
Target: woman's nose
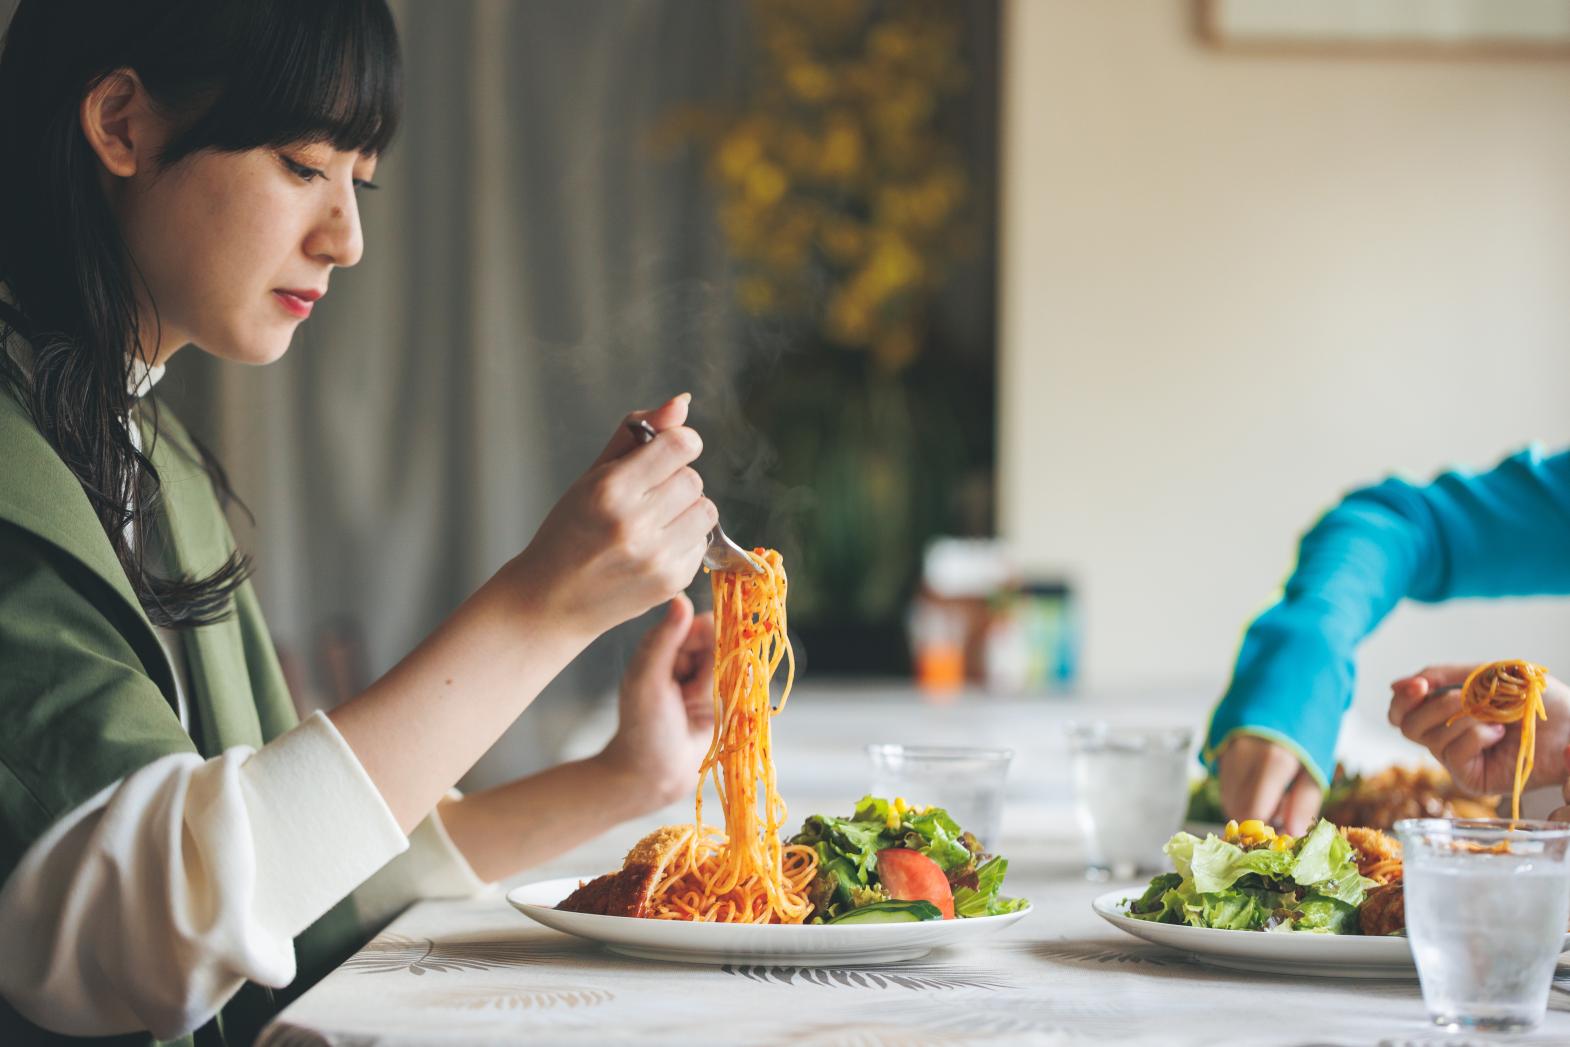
x,y
337,238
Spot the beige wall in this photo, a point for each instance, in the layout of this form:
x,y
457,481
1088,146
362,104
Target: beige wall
x,y
1234,287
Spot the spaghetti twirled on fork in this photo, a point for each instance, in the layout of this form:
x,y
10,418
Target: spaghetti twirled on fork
x,y
745,874
1508,692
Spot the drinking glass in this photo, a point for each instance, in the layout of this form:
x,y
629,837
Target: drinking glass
x,y
1487,903
968,783
1130,793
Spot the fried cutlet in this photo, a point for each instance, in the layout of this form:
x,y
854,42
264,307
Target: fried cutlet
x,y
1384,910
626,892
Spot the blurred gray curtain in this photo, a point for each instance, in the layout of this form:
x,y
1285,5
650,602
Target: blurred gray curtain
x,y
534,268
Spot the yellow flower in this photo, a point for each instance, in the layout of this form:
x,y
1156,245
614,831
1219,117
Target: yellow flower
x,y
842,152
766,184
849,318
893,266
810,81
737,154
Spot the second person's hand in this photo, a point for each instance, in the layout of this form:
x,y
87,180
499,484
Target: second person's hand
x,y
629,534
1479,756
1260,779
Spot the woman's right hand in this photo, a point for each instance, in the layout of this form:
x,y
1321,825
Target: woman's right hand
x,y
1260,779
629,534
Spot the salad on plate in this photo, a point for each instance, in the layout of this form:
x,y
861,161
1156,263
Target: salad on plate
x,y
1252,878
891,862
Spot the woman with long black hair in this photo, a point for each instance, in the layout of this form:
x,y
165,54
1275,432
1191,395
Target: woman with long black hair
x,y
174,847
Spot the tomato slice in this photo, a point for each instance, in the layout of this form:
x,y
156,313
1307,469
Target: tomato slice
x,y
911,876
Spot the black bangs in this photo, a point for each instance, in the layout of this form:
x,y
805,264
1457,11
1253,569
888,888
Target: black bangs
x,y
300,71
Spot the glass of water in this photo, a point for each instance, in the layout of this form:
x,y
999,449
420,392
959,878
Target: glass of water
x,y
1487,904
968,783
1130,794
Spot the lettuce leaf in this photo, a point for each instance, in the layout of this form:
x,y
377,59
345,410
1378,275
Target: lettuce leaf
x,y
940,836
1327,863
1324,915
1313,886
1216,865
985,899
1239,910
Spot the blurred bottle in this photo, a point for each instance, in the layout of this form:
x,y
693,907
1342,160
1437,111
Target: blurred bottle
x,y
1053,632
937,642
949,615
1007,653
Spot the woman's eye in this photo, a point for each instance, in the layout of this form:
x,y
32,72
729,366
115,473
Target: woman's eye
x,y
304,173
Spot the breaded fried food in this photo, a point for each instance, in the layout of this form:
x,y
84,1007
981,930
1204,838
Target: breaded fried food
x,y
1384,910
1378,855
626,892
1380,800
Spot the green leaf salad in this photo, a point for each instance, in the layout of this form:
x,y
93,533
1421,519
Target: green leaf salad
x,y
892,862
1311,885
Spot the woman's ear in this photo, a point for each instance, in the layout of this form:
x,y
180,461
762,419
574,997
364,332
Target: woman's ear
x,y
117,120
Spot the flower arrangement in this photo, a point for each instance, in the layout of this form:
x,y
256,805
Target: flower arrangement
x,y
840,196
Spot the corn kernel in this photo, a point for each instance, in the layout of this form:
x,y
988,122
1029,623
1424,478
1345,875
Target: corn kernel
x,y
1281,843
1252,827
1231,831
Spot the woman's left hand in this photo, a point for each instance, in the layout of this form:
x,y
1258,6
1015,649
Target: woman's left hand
x,y
666,707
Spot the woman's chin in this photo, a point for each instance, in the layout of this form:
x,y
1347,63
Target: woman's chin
x,y
253,351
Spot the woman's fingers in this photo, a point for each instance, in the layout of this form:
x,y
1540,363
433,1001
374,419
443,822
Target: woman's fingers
x,y
1255,775
1405,695
1440,740
675,495
697,684
693,525
669,415
1463,754
666,455
696,647
1430,714
1300,805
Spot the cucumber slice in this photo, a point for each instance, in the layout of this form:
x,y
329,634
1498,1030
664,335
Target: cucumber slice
x,y
891,912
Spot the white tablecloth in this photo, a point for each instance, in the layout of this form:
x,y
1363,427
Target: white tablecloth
x,y
477,972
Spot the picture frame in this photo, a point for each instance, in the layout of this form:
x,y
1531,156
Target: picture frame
x,y
1525,29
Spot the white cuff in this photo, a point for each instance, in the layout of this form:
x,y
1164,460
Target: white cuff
x,y
310,800
432,867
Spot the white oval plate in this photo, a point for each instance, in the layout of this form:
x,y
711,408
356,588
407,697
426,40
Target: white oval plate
x,y
783,946
1321,955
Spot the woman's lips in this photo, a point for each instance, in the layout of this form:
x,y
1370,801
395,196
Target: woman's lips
x,y
297,303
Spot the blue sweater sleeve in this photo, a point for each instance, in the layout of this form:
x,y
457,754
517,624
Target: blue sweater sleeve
x,y
1504,532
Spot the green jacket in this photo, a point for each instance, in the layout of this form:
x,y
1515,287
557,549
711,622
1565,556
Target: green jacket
x,y
86,692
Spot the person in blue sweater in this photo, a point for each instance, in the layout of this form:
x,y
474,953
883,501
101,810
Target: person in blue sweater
x,y
1502,532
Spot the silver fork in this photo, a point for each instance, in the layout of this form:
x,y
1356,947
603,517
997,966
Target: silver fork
x,y
722,553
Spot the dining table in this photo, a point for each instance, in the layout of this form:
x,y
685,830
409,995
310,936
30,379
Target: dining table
x,y
477,971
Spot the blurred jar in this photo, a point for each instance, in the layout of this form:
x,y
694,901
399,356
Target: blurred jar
x,y
937,645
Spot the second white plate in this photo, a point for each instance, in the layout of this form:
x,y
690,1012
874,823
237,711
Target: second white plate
x,y
1318,955
770,945
1322,955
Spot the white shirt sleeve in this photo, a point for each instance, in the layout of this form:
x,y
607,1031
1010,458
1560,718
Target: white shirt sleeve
x,y
148,906
432,867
